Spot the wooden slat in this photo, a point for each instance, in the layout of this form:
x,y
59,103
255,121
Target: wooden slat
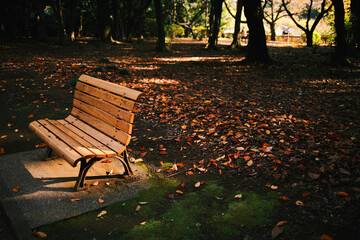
x,y
112,87
107,96
98,153
103,127
105,106
82,150
94,143
109,142
104,116
61,148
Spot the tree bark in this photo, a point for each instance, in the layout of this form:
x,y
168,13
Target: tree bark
x,y
355,11
103,20
257,49
216,8
236,42
340,49
59,15
160,45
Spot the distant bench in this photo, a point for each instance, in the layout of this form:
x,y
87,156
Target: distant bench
x,y
99,126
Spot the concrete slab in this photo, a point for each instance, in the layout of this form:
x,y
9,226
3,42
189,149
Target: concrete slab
x,y
35,192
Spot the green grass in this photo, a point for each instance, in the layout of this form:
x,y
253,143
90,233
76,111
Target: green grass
x,y
207,212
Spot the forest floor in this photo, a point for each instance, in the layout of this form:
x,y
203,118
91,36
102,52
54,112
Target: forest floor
x,y
237,151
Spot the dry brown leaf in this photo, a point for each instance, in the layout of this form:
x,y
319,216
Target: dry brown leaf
x,y
137,208
343,194
75,199
276,231
282,223
249,163
299,203
16,189
326,237
238,196
197,184
101,200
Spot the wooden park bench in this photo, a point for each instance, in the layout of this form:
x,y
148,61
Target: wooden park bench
x,y
99,126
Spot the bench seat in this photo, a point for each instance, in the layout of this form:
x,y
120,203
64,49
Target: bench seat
x,y
99,126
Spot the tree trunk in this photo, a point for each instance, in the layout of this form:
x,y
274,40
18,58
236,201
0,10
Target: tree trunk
x,y
42,31
160,45
116,33
340,49
73,4
129,19
60,19
257,49
236,37
103,20
355,11
273,33
309,38
216,7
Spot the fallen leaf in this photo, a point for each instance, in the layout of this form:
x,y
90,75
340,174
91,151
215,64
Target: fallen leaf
x,y
282,223
107,161
39,234
180,192
95,183
197,184
143,203
31,116
2,151
190,173
182,185
100,200
314,175
142,154
247,158
137,208
75,199
326,237
3,136
163,152
249,163
180,165
102,213
40,145
16,189
184,127
238,196
305,194
284,198
299,203
171,196
274,187
343,194
276,231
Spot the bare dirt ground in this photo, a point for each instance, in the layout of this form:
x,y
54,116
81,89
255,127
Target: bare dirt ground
x,y
291,126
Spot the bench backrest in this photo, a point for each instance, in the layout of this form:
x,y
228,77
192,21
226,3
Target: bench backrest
x,y
106,106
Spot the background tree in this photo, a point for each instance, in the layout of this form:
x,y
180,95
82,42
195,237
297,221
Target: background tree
x,y
273,11
60,20
103,20
257,49
215,20
355,20
309,13
160,45
340,49
236,42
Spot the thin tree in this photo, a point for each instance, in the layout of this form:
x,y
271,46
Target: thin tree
x,y
59,16
307,29
103,20
273,10
160,45
236,42
257,49
215,20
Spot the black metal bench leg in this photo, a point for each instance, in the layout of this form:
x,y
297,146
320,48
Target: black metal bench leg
x,y
125,161
84,168
49,153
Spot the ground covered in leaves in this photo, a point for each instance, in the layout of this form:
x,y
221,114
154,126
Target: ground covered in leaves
x,y
280,139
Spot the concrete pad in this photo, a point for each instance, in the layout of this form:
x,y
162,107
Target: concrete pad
x,y
35,192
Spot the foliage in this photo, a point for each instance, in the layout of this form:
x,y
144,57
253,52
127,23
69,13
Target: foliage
x,y
174,30
200,32
316,37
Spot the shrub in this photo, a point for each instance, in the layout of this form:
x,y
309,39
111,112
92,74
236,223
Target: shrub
x,y
200,32
174,30
316,37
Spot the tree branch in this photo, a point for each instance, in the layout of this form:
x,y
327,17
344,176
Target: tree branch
x,y
227,7
292,17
